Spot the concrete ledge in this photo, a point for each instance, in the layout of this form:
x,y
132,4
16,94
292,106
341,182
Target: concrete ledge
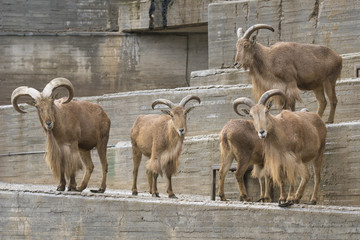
x,y
232,76
340,183
30,212
23,132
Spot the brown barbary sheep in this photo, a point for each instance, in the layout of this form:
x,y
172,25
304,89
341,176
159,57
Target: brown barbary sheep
x,y
291,140
290,66
238,140
72,129
160,138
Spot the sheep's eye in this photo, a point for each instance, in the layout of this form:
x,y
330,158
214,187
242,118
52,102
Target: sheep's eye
x,y
246,45
171,115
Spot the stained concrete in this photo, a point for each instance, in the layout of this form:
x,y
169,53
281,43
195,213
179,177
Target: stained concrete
x,y
37,212
340,182
329,23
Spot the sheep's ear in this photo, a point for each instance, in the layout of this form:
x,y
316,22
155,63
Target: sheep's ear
x,y
189,109
269,105
253,40
166,111
240,32
31,103
245,111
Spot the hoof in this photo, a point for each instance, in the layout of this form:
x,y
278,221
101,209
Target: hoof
x,y
261,200
286,204
222,197
60,188
134,193
100,190
78,189
313,202
172,196
155,195
244,198
72,189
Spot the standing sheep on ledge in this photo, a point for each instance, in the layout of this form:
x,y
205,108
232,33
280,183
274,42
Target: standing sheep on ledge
x,y
72,129
291,139
160,138
290,66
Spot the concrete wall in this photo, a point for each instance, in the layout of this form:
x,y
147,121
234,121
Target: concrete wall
x,y
340,182
40,40
334,24
100,64
40,214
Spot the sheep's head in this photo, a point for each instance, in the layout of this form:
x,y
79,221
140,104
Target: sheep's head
x,y
245,45
177,113
43,101
259,112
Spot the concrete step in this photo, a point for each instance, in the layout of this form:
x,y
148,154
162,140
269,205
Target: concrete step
x,y
23,132
233,76
40,213
340,182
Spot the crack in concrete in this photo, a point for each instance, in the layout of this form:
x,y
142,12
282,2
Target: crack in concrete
x,y
281,16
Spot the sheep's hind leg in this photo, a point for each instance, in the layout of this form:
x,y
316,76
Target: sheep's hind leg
x,y
154,189
136,163
320,97
72,184
89,167
226,161
102,152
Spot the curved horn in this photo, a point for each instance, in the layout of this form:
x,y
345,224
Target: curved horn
x,y
188,98
57,83
23,91
255,27
268,94
166,102
243,100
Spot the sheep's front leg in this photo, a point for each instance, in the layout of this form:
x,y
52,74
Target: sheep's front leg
x,y
89,167
62,184
169,190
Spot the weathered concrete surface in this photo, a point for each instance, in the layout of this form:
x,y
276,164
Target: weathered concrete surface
x,y
118,215
23,132
340,183
334,24
157,15
58,15
100,64
232,76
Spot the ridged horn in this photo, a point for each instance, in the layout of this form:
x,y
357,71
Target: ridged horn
x,y
166,102
57,83
255,27
242,100
268,94
188,98
23,91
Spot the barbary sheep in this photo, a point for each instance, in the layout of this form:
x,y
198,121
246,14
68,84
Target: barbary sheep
x,y
72,129
290,66
238,140
160,138
291,139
